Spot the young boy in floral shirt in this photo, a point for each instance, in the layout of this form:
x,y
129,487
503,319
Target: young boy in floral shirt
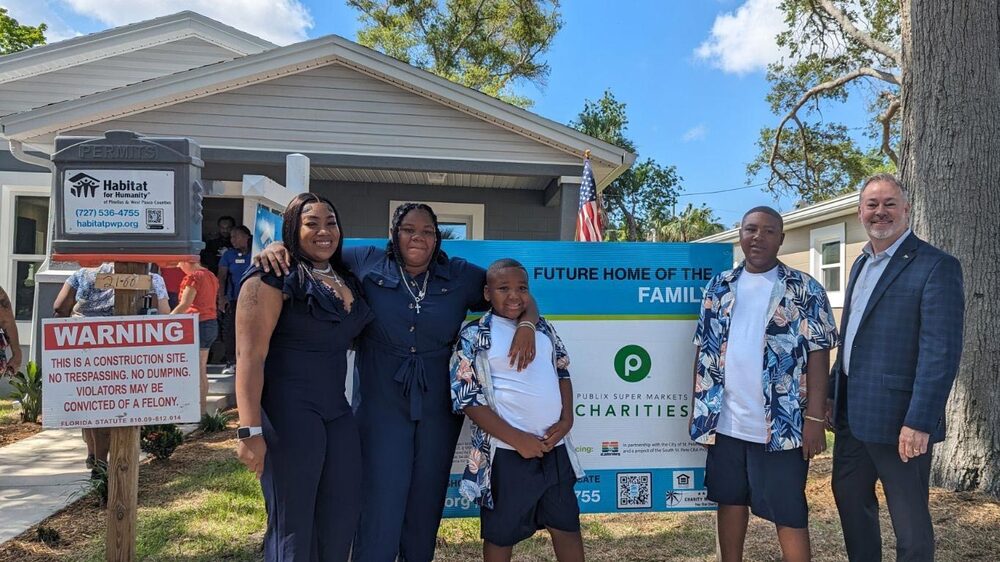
x,y
522,466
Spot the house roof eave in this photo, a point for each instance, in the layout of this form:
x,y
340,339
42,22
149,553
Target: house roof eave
x,y
86,48
298,57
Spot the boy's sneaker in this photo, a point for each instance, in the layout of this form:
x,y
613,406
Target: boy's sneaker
x,y
230,369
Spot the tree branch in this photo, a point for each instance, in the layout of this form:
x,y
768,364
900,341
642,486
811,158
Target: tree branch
x,y
476,20
886,119
813,92
805,149
848,27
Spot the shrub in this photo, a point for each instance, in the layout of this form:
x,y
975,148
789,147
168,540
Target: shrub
x,y
95,487
212,423
28,391
160,440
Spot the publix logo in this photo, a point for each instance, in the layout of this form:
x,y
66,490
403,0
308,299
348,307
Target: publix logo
x,y
632,363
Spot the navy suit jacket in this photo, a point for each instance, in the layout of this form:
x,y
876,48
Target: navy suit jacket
x,y
906,352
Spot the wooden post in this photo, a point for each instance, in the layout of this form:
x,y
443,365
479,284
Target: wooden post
x,y
123,464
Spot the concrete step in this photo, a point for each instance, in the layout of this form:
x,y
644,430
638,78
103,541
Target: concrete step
x,y
220,402
221,384
221,388
215,368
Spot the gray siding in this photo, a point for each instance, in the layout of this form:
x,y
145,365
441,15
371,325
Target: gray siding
x,y
108,73
334,109
511,214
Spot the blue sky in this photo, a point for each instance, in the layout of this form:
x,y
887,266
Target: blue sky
x,y
690,71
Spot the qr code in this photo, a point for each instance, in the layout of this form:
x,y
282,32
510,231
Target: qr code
x,y
154,218
634,490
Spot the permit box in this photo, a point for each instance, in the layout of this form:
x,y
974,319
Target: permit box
x,y
127,198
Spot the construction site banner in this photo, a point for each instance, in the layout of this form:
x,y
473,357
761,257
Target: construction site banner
x,y
120,371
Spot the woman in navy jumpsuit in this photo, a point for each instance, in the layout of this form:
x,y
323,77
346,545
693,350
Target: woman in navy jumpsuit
x,y
294,333
420,298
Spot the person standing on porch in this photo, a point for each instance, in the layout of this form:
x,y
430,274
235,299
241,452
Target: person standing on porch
x,y
80,297
234,263
199,291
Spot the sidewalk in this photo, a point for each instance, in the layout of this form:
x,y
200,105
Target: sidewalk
x,y
38,476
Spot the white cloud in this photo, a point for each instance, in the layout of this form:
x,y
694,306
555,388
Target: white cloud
x,y
279,21
698,132
744,41
34,12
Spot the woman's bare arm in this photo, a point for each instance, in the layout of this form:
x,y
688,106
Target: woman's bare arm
x,y
187,299
65,301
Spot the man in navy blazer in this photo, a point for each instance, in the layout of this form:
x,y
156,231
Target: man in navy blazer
x,y
902,341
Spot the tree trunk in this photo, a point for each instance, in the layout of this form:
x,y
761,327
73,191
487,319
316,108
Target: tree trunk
x,y
631,225
950,160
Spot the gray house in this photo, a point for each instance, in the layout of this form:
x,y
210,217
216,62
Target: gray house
x,y
376,132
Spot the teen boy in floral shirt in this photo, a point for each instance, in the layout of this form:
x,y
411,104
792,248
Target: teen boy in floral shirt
x,y
760,383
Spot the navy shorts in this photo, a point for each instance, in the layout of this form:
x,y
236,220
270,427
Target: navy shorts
x,y
208,332
528,495
773,484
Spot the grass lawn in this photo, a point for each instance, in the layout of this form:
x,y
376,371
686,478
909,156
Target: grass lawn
x,y
11,428
201,505
8,412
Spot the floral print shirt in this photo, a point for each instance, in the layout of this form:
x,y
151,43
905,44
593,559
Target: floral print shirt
x,y
799,321
471,385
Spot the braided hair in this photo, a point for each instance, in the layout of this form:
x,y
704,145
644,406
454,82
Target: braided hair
x,y
392,247
290,236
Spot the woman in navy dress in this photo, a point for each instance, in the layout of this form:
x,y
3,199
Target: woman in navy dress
x,y
297,432
420,298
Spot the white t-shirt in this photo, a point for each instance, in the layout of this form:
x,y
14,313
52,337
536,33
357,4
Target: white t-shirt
x,y
742,414
528,400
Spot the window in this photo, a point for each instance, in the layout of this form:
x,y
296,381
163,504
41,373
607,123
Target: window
x,y
31,220
23,293
24,238
454,230
827,260
458,221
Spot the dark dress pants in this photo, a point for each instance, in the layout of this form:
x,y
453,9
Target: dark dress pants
x,y
311,485
857,465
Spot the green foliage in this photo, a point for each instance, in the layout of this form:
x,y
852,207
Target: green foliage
x,y
96,486
28,391
160,440
15,37
643,194
487,45
693,223
828,61
213,423
828,163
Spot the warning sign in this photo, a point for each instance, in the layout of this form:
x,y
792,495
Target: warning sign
x,y
120,371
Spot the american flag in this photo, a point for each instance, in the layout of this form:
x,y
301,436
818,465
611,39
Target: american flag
x,y
589,226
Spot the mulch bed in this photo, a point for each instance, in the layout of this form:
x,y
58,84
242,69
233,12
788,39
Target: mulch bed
x,y
13,432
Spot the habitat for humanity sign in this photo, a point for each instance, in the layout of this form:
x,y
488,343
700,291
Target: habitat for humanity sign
x,y
118,201
626,313
120,371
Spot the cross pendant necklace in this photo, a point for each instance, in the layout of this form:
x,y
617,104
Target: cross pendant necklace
x,y
423,289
